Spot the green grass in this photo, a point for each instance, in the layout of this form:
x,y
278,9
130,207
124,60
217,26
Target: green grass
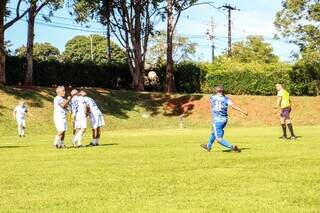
x,y
163,171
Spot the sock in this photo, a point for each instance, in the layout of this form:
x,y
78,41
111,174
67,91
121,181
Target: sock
x,y
22,131
61,143
76,137
211,140
284,129
226,144
79,143
56,140
290,127
19,130
97,141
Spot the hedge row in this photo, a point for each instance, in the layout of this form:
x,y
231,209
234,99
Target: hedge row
x,y
251,79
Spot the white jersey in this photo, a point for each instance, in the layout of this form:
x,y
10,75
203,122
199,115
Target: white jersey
x,y
59,112
94,109
20,111
81,106
73,105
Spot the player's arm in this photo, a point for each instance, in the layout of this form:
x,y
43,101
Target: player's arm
x,y
66,102
237,108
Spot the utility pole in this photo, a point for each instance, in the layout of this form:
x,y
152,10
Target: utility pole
x,y
210,35
229,8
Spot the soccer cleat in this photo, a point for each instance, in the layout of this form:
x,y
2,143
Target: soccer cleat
x,y
292,137
283,137
204,146
236,149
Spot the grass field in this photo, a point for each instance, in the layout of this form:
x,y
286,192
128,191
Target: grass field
x,y
163,171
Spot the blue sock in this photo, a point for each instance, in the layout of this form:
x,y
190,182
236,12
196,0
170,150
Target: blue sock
x,y
211,141
226,144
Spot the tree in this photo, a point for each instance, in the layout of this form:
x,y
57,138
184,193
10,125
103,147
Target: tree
x,y
35,6
299,22
4,12
92,48
183,49
254,49
41,52
173,6
131,23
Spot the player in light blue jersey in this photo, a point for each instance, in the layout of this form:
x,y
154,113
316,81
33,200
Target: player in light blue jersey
x,y
219,110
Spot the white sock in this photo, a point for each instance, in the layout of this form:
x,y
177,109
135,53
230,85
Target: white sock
x,y
97,141
61,144
79,140
56,140
19,130
22,131
77,135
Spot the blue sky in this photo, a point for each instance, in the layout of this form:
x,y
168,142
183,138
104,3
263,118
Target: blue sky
x,y
254,18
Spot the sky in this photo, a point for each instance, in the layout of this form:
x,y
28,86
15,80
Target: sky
x,y
253,18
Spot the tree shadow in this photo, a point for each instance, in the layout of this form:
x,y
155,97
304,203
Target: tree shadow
x,y
120,103
34,96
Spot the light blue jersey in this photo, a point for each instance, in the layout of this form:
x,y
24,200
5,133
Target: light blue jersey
x,y
219,108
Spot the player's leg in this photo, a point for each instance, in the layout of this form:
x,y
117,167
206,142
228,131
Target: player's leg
x,y
283,125
212,138
289,124
23,127
98,133
219,127
19,127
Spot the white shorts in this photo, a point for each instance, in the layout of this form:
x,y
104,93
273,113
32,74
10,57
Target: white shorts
x,y
21,122
80,122
61,124
96,121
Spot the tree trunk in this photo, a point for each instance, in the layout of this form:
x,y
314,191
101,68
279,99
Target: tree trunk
x,y
2,47
170,84
29,74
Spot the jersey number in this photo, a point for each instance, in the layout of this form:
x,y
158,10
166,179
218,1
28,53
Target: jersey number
x,y
218,106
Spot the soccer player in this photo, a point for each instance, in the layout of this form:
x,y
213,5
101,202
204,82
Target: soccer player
x,y
60,112
73,106
80,117
96,118
219,109
19,114
284,103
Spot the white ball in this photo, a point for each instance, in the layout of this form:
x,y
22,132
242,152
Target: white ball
x,y
152,75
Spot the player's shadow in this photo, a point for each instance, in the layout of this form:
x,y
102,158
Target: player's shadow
x,y
12,147
241,149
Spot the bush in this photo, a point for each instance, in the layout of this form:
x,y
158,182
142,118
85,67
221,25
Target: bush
x,y
48,73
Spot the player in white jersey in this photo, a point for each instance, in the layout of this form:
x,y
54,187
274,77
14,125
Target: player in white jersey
x,y
96,118
19,114
60,115
80,119
73,106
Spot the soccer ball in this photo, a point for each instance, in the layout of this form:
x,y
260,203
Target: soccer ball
x,y
152,75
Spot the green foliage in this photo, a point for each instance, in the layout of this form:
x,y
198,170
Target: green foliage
x,y
78,50
48,73
183,49
298,20
254,49
41,52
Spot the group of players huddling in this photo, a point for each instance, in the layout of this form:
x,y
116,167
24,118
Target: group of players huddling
x,y
81,106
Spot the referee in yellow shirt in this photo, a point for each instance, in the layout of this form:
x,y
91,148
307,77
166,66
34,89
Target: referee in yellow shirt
x,y
284,103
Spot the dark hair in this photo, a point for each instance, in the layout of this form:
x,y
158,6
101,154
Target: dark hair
x,y
220,89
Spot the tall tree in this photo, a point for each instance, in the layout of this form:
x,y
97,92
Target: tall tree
x,y
131,22
4,12
174,9
183,49
41,52
35,6
92,48
254,48
299,22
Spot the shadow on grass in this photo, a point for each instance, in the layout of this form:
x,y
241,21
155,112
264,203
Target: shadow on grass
x,y
12,147
120,103
241,149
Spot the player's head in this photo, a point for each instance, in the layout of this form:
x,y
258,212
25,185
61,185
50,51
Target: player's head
x,y
74,92
279,87
21,103
83,93
60,91
219,90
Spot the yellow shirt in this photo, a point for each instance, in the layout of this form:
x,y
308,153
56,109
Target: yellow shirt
x,y
285,98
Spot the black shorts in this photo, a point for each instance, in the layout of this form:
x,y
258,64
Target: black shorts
x,y
285,113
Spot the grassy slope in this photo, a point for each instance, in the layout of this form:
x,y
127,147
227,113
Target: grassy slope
x,y
125,110
163,171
